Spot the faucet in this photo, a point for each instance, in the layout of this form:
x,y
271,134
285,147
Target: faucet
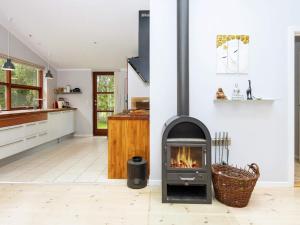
x,y
37,100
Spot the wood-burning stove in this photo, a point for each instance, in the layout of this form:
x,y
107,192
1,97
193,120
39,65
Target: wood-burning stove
x,y
186,161
186,141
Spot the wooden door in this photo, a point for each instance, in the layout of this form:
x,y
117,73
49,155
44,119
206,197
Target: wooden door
x,y
104,101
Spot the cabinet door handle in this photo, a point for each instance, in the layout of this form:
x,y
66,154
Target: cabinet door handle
x,y
29,138
10,128
15,142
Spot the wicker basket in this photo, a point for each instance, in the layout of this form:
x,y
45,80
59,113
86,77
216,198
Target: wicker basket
x,y
234,186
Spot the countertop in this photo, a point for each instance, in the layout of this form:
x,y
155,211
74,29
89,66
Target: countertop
x,y
4,114
130,116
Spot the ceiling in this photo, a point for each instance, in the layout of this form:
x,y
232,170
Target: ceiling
x,y
96,34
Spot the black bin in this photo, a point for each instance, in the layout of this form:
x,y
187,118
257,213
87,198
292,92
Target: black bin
x,y
136,172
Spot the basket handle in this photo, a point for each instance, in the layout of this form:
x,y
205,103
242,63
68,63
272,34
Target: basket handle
x,y
255,168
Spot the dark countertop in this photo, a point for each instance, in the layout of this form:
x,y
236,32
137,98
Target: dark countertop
x,y
4,114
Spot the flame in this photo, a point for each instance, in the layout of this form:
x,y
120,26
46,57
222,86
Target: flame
x,y
184,159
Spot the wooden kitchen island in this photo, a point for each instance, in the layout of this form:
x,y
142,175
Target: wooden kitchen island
x,y
128,136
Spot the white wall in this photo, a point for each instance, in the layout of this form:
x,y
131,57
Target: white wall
x,y
120,90
259,131
297,97
136,86
81,78
21,51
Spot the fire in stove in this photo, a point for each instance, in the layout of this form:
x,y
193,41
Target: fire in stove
x,y
185,157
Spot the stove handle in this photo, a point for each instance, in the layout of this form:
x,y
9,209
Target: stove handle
x,y
205,152
187,178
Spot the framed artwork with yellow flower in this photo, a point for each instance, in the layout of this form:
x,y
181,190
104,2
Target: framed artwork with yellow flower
x,y
232,54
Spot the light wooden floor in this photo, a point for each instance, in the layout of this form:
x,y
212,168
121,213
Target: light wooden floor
x,y
72,160
97,204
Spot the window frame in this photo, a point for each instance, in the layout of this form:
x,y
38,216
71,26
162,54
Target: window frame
x,y
9,86
97,131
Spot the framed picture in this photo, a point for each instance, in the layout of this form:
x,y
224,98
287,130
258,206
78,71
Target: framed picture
x,y
232,54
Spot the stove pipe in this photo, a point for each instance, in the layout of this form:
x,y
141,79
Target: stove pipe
x,y
182,57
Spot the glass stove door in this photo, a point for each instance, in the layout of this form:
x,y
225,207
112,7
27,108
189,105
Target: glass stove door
x,y
186,157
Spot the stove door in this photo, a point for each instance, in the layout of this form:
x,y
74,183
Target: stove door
x,y
186,156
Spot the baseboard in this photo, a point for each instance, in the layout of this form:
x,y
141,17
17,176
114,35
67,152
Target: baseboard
x,y
83,135
271,184
154,182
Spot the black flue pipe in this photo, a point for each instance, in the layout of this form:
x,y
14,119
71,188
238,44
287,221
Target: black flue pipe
x,y
182,57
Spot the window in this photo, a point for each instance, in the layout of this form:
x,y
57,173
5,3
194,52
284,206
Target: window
x,y
2,87
2,73
25,75
20,88
2,97
23,98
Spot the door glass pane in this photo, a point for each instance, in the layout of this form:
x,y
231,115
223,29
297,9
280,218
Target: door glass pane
x,y
186,157
105,102
105,83
2,97
102,119
2,72
23,98
25,75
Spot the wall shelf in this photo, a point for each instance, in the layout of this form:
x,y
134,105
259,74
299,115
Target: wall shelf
x,y
266,100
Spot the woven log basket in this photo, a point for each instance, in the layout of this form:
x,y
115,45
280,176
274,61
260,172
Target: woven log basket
x,y
234,186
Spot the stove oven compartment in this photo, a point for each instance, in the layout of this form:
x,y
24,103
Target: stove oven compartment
x,y
196,193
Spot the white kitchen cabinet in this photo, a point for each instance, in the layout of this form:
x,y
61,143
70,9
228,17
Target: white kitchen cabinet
x,y
33,133
12,148
54,119
31,141
67,123
60,123
11,134
43,137
31,128
15,139
42,125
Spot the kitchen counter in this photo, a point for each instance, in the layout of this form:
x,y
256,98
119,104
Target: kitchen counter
x,y
16,117
5,114
128,136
